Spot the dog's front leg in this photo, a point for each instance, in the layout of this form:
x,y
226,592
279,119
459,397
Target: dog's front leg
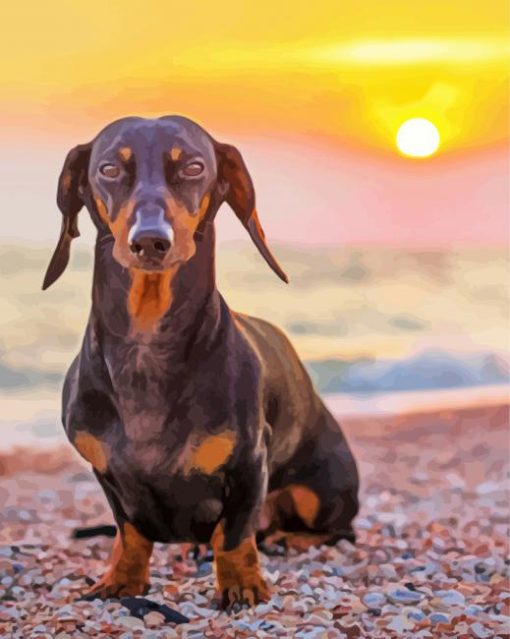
x,y
128,573
238,573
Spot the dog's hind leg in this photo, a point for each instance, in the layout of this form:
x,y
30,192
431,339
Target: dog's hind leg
x,y
314,500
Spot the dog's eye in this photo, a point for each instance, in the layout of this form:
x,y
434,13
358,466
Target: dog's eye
x,y
109,170
193,169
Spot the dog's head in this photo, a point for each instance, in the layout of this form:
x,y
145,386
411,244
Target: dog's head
x,y
154,185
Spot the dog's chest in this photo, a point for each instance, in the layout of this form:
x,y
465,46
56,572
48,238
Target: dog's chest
x,y
140,374
173,494
149,393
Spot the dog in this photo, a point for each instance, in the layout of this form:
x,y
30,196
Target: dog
x,y
201,424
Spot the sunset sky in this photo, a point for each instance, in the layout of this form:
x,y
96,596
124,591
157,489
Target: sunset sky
x,y
313,94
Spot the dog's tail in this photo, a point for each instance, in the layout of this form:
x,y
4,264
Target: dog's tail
x,y
107,530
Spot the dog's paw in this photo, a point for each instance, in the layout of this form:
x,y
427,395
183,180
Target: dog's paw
x,y
281,542
109,588
245,593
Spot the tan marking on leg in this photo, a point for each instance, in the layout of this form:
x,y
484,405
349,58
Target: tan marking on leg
x,y
125,153
175,153
300,541
128,573
211,453
92,449
306,502
238,574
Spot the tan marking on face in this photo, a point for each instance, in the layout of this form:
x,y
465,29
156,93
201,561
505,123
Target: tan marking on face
x,y
92,449
102,210
306,502
119,226
204,205
238,573
209,454
184,224
150,297
120,231
175,153
125,153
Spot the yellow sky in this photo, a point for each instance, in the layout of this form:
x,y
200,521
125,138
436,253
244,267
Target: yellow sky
x,y
339,70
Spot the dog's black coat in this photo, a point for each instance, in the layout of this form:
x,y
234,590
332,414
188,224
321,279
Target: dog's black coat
x,y
146,397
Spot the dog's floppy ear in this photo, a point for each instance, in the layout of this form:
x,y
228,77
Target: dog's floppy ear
x,y
239,193
70,192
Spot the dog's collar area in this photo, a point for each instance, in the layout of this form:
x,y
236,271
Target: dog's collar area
x,y
201,230
106,238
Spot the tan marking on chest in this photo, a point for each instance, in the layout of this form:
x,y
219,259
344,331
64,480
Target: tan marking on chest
x,y
210,453
93,450
150,297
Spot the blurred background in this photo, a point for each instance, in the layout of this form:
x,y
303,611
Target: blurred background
x,y
378,144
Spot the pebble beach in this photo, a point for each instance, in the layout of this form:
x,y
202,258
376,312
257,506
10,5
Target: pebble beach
x,y
431,558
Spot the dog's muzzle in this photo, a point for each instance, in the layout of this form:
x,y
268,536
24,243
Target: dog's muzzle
x,y
150,237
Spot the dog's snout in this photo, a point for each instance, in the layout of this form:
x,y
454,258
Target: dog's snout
x,y
150,237
150,246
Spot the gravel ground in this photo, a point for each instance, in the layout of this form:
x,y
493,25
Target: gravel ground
x,y
431,558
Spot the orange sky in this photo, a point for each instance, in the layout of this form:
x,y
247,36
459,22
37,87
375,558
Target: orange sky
x,y
314,93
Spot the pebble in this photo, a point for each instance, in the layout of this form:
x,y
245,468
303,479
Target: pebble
x,y
438,617
154,619
131,622
204,569
315,633
451,597
488,487
400,623
405,596
480,631
39,628
415,614
373,600
191,610
389,572
429,561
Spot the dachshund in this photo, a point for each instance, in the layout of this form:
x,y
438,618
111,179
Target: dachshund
x,y
201,424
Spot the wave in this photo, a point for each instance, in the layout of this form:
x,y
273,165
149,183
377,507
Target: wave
x,y
428,370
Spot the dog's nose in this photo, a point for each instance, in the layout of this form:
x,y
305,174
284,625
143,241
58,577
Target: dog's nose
x,y
150,237
150,245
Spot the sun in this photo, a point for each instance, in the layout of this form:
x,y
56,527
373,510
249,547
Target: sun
x,y
418,138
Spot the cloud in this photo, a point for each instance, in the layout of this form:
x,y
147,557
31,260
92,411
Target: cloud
x,y
409,51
